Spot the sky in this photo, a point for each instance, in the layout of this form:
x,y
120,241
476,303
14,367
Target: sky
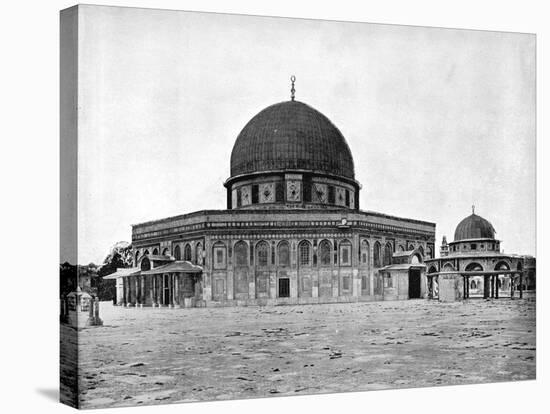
x,y
437,119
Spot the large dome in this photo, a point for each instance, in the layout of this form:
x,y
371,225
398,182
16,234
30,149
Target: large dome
x,y
291,136
474,227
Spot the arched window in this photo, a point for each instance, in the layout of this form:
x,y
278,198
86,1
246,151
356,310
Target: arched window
x,y
145,264
474,267
448,267
377,254
177,252
241,253
219,255
146,253
283,253
401,248
432,270
421,250
388,250
345,253
304,252
502,266
411,247
262,253
155,251
198,253
187,252
324,253
365,253
165,251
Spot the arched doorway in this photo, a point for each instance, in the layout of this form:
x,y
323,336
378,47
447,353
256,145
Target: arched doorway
x,y
433,283
481,283
504,280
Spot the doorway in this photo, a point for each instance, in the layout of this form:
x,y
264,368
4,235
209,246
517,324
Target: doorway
x,y
414,283
284,287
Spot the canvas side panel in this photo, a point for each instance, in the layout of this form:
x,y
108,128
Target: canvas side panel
x,y
68,371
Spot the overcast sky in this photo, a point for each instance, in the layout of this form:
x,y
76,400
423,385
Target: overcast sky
x,y
436,119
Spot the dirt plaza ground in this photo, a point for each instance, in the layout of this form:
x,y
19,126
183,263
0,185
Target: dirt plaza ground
x,y
154,356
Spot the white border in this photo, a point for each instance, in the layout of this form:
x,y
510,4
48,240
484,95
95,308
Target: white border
x,y
29,96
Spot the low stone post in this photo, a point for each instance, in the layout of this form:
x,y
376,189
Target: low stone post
x,y
94,319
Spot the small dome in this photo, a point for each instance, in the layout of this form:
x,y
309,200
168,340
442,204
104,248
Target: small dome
x,y
474,227
291,136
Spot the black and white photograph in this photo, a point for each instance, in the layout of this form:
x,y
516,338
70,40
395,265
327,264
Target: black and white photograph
x,y
270,206
255,206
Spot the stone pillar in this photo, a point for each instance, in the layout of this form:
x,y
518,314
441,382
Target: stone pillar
x,y
521,285
137,291
143,299
177,290
486,287
152,290
124,291
356,282
171,290
160,290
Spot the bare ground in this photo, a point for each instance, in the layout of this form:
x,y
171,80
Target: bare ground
x,y
158,356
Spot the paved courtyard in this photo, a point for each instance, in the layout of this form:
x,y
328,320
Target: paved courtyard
x,y
158,356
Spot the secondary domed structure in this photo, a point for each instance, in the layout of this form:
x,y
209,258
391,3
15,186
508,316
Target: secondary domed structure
x,y
474,235
472,265
474,227
291,155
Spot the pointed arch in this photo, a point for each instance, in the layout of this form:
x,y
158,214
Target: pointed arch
x,y
241,253
365,252
187,252
262,253
325,249
377,253
165,251
177,252
219,255
474,266
345,253
283,253
304,253
198,254
502,265
155,251
388,252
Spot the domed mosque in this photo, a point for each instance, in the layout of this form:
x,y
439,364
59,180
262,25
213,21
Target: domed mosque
x,y
292,231
473,265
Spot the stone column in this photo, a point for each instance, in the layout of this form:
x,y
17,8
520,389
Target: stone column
x,y
136,284
124,292
152,290
170,290
177,290
521,285
143,299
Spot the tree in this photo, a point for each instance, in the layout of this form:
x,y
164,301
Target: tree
x,y
120,256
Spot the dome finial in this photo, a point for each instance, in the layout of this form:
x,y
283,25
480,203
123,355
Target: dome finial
x,y
292,90
473,209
